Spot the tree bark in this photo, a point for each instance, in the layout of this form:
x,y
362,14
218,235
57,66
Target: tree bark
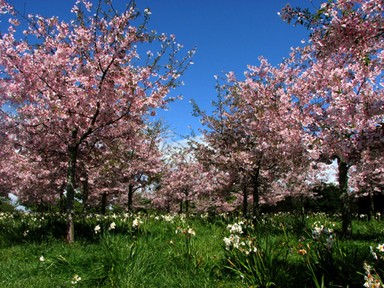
x,y
130,197
85,193
345,199
187,206
187,202
104,203
371,212
71,178
245,199
256,196
181,206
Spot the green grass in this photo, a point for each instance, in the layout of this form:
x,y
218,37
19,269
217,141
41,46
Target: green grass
x,y
154,255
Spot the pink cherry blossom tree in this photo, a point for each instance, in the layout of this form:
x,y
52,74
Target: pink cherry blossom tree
x,y
73,84
127,166
254,133
339,89
184,182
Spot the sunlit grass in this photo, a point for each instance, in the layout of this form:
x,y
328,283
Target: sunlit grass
x,y
178,251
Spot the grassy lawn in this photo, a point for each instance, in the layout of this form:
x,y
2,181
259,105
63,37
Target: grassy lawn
x,y
175,251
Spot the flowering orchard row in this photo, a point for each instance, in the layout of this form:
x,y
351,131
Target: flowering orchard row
x,y
78,97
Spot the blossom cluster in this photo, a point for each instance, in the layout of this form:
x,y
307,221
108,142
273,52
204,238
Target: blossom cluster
x,y
76,278
371,277
238,241
378,253
6,216
321,232
372,280
168,217
188,231
137,222
97,229
236,227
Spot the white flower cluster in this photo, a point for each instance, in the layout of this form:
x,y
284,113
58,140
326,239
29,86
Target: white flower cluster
x,y
232,241
319,231
189,232
168,217
76,278
236,228
97,229
235,241
371,280
112,226
380,249
137,222
5,216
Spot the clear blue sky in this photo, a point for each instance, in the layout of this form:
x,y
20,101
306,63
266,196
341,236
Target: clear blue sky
x,y
228,35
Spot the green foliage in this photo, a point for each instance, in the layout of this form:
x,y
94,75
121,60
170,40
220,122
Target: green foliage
x,y
263,266
145,250
6,206
327,199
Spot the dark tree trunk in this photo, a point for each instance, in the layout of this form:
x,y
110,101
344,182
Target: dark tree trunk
x,y
371,212
256,196
85,193
71,178
187,202
345,199
186,206
181,206
130,198
245,199
103,203
168,206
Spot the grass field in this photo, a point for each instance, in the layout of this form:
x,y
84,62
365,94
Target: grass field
x,y
282,250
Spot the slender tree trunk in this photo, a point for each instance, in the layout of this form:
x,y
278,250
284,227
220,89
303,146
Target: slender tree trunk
x,y
130,197
168,206
85,193
181,206
103,203
62,203
345,199
256,196
371,212
71,178
245,199
186,202
187,206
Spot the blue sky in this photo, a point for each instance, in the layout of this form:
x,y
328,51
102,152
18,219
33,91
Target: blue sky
x,y
228,35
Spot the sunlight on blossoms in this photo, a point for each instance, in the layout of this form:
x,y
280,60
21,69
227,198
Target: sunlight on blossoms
x,y
112,226
76,278
137,222
189,232
244,245
235,228
371,280
97,229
